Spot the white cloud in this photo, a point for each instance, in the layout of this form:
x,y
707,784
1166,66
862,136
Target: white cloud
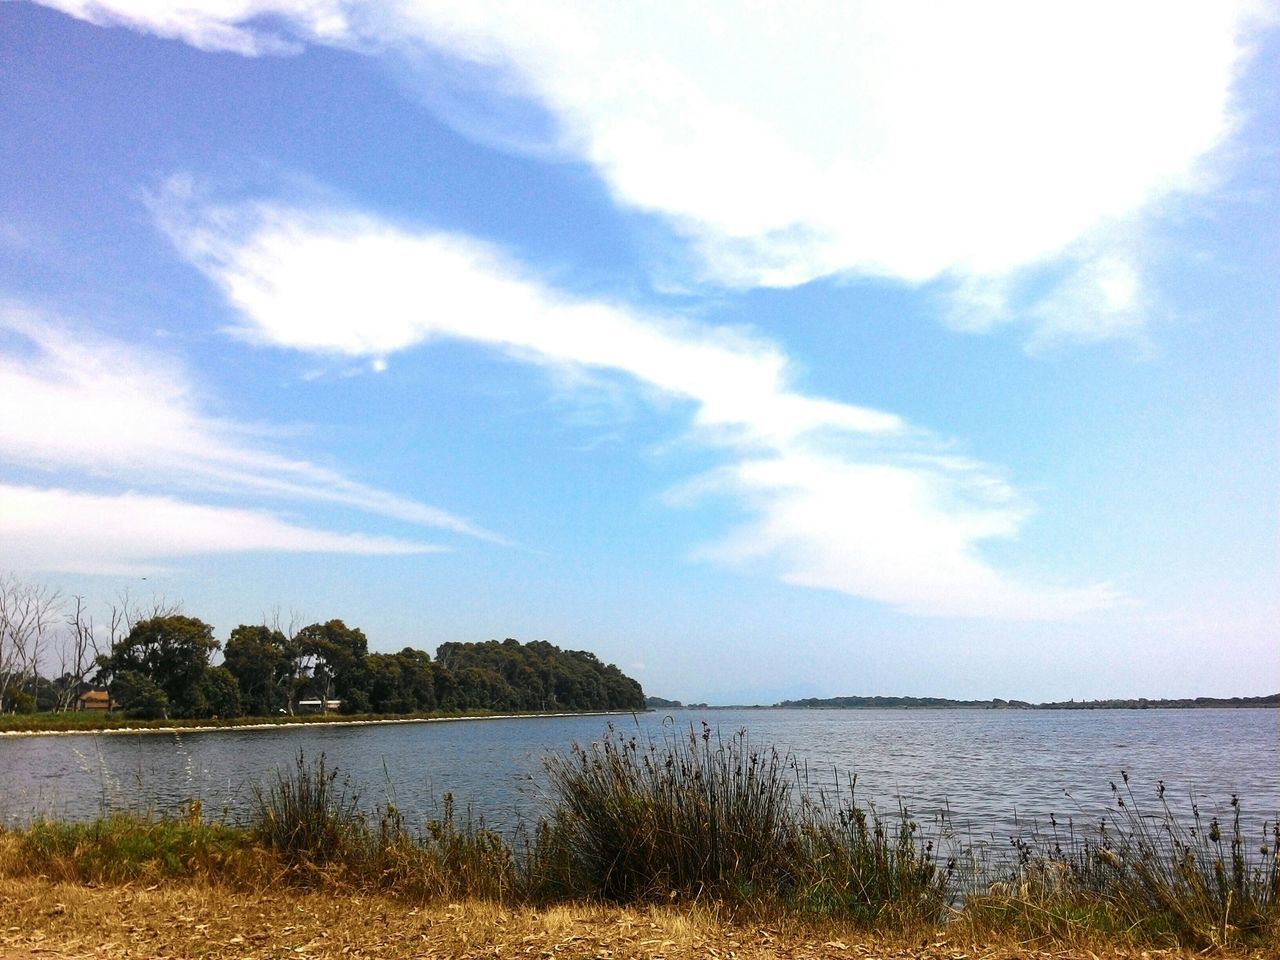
x,y
905,534
350,285
1099,294
70,400
903,139
64,531
878,519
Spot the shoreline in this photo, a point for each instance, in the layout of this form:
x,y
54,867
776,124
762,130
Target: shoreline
x,y
303,724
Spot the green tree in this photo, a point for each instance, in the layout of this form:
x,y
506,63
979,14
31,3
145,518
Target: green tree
x,y
171,652
139,696
401,682
219,694
336,654
261,661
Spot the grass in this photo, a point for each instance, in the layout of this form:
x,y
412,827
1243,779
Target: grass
x,y
123,848
46,919
711,825
705,818
1149,874
89,721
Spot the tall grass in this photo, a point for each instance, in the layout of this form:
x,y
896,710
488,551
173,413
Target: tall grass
x,y
125,847
1150,873
307,817
315,824
705,818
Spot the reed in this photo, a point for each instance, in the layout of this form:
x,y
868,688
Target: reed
x,y
315,824
701,817
1148,873
307,817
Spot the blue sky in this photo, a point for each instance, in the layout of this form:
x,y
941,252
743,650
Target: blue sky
x,y
869,350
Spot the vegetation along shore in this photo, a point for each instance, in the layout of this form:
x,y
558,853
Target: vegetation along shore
x,y
159,664
694,843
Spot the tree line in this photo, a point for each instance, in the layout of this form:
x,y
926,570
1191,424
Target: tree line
x,y
161,663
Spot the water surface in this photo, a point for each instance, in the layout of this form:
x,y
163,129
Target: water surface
x,y
992,769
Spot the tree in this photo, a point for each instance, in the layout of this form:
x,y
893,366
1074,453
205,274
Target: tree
x,y
170,651
218,694
401,682
27,615
336,655
76,656
139,696
261,661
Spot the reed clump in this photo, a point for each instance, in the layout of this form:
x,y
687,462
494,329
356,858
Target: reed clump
x,y
701,817
315,824
1148,873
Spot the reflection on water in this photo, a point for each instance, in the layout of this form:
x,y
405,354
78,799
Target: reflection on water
x,y
991,769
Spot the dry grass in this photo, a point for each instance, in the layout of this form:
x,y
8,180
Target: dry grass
x,y
57,921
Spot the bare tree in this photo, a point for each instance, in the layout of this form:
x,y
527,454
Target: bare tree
x,y
27,615
296,666
78,654
126,612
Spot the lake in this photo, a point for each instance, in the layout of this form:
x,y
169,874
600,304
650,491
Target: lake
x,y
996,771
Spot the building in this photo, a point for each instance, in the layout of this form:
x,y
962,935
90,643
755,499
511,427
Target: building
x,y
319,706
96,700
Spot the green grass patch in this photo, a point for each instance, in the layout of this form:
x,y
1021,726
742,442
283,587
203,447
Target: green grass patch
x,y
88,721
123,848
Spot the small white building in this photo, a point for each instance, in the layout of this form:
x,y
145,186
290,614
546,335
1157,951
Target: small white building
x,y
319,706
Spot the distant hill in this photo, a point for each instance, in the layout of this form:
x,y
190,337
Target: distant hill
x,y
906,703
659,703
943,703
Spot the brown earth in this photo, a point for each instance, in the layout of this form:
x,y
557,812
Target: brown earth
x,y
60,921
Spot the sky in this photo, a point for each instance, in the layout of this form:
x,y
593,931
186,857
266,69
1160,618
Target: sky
x,y
764,351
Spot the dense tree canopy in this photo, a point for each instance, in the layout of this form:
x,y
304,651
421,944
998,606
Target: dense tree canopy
x,y
509,675
170,653
262,661
162,667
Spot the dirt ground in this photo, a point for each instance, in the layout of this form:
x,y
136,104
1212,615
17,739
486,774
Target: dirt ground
x,y
58,921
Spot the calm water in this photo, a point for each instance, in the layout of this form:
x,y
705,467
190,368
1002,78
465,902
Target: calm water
x,y
986,767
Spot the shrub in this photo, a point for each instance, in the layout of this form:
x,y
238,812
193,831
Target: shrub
x,y
701,817
1153,876
307,817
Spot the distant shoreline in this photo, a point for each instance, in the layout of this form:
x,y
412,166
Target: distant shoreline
x,y
941,703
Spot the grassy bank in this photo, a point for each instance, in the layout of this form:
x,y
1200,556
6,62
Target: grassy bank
x,y
716,826
94,722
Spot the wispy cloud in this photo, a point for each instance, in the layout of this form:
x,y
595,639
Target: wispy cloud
x,y
129,420
905,533
347,284
845,497
911,141
75,401
1097,292
67,531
